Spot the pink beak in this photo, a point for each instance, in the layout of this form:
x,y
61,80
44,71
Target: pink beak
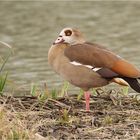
x,y
59,40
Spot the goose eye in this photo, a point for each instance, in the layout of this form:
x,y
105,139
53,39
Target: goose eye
x,y
68,32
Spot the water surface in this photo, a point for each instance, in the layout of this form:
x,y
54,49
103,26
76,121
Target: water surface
x,y
31,27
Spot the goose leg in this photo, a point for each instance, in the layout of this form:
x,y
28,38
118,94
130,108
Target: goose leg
x,y
87,98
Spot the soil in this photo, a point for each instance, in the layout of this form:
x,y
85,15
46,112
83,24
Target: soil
x,y
111,116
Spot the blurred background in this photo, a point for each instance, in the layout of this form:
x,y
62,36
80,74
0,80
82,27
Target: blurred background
x,y
31,27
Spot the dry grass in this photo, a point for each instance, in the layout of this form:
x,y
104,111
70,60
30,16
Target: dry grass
x,y
113,116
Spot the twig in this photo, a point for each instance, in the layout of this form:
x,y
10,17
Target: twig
x,y
59,103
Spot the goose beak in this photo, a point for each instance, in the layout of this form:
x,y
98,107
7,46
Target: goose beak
x,y
59,40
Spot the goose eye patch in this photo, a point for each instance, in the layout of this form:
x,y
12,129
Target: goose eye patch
x,y
68,32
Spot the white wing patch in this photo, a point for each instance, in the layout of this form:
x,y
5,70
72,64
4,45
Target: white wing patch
x,y
88,66
96,69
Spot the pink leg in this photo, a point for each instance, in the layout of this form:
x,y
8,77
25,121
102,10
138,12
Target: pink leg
x,y
87,98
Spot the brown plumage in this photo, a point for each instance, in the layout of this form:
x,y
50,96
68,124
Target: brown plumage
x,y
71,46
101,57
80,76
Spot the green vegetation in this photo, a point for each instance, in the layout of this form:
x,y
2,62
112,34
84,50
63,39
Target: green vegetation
x,y
125,90
3,79
43,94
28,117
3,74
53,114
64,116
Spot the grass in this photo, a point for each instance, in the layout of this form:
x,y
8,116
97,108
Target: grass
x,y
3,79
56,115
12,127
3,74
43,94
64,116
26,117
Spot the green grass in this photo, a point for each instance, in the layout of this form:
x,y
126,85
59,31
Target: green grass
x,y
43,93
64,89
64,117
125,90
24,118
28,118
3,74
3,79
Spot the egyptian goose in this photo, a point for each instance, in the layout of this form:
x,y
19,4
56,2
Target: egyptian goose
x,y
87,65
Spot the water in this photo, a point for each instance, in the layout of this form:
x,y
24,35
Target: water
x,y
31,27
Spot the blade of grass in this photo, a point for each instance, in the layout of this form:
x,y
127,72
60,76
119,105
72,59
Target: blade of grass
x,y
2,67
64,89
54,94
80,95
94,92
125,90
33,89
6,44
3,80
43,96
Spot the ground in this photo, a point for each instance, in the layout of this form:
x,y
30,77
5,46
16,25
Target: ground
x,y
112,116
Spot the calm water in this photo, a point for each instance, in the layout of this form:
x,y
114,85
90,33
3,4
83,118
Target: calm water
x,y
31,27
